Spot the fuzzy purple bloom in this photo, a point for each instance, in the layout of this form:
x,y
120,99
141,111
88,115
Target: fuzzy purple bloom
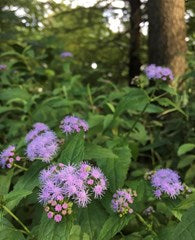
x,y
6,157
38,128
66,54
42,143
71,124
166,181
157,72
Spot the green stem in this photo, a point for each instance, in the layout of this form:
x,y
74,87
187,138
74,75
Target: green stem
x,y
20,167
148,226
138,117
16,218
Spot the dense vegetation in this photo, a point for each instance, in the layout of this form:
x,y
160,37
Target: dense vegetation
x,y
47,73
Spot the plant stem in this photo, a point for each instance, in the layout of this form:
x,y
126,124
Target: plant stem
x,y
20,167
148,226
16,218
138,117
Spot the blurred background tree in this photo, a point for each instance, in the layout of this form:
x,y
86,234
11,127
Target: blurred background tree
x,y
107,37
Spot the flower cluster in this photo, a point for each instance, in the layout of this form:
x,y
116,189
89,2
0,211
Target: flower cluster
x,y
42,143
121,201
66,54
71,124
166,181
62,185
157,72
8,157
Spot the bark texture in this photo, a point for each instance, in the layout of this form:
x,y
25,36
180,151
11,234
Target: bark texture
x,y
134,53
167,32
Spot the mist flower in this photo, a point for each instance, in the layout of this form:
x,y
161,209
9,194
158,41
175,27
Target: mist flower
x,y
71,124
3,67
166,181
42,143
65,185
157,72
38,128
66,54
8,157
122,200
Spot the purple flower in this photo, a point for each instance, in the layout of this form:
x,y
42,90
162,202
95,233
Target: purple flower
x,y
50,215
66,54
71,124
122,200
7,157
62,185
42,143
38,128
157,72
3,67
166,181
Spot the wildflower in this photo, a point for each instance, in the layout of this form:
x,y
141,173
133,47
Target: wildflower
x,y
8,157
3,67
62,185
66,54
122,200
44,145
38,128
157,72
71,124
166,181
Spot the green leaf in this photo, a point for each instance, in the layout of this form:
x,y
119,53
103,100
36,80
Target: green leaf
x,y
31,178
75,234
116,169
186,203
186,160
50,230
8,232
95,151
92,218
5,181
112,226
136,100
74,150
185,230
185,148
13,198
13,93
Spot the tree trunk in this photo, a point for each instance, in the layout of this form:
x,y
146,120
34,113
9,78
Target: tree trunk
x,y
134,52
167,32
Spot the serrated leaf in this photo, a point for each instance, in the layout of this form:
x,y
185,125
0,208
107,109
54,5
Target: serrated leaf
x,y
185,161
185,229
186,203
135,100
13,198
5,181
74,150
50,230
8,232
116,169
112,226
14,93
185,148
92,218
31,178
95,151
